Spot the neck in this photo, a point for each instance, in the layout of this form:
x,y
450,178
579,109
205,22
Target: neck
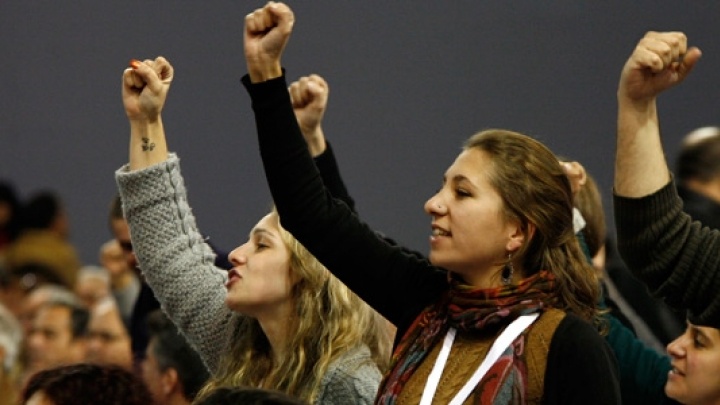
x,y
176,398
276,328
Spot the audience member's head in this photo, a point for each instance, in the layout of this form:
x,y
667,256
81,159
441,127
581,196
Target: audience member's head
x,y
698,163
57,336
32,275
40,295
9,214
172,369
12,292
83,384
92,285
108,338
247,396
112,258
44,210
695,375
121,231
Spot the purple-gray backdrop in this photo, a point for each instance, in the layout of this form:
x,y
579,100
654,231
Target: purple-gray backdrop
x,y
409,82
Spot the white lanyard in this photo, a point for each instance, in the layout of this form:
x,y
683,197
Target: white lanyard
x,y
501,343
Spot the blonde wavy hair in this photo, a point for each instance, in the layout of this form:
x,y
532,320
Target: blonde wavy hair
x,y
329,320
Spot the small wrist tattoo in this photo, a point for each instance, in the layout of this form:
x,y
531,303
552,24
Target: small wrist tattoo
x,y
147,145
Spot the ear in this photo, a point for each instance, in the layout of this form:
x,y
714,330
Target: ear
x,y
169,381
520,234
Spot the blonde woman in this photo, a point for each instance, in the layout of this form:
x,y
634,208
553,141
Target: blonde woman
x,y
278,319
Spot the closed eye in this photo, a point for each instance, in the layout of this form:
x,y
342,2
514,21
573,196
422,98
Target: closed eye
x,y
698,338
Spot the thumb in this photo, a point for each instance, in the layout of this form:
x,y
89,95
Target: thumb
x,y
147,74
692,56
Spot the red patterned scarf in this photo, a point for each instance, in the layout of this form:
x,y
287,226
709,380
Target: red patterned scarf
x,y
464,308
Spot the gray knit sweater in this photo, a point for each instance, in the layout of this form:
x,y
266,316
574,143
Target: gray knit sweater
x,y
179,266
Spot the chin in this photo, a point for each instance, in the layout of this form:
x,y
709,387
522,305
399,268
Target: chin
x,y
436,259
232,305
671,392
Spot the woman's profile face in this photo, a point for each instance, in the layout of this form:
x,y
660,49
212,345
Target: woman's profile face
x,y
470,233
695,375
259,282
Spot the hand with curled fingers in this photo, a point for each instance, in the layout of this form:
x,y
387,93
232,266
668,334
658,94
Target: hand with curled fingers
x,y
309,97
267,31
660,60
144,88
576,174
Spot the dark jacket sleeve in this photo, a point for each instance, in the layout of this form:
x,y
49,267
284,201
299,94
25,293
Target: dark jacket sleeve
x,y
330,174
675,256
643,371
397,284
588,379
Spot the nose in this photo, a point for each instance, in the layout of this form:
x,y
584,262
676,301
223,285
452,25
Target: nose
x,y
34,340
93,344
434,206
676,348
237,257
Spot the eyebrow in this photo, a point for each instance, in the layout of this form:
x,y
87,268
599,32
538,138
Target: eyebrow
x,y
261,232
459,178
456,178
700,332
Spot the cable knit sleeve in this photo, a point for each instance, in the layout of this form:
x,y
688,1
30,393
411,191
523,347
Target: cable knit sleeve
x,y
674,255
174,258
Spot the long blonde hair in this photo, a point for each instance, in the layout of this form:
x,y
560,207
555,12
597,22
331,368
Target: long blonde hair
x,y
329,320
535,190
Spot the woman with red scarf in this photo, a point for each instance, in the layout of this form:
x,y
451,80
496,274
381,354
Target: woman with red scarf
x,y
503,310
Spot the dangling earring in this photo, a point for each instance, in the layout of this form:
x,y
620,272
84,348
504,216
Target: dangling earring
x,y
508,271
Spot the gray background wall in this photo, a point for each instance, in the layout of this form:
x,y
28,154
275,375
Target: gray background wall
x,y
409,82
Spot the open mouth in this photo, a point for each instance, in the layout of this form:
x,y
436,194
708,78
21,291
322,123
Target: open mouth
x,y
233,276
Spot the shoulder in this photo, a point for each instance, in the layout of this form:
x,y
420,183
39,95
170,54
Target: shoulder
x,y
578,355
574,333
351,378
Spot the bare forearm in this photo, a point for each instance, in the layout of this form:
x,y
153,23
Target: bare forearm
x,y
147,144
640,166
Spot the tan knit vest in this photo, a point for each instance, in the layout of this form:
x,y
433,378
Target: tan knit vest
x,y
468,352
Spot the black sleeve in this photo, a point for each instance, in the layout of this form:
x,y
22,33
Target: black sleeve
x,y
330,174
581,368
674,255
397,284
